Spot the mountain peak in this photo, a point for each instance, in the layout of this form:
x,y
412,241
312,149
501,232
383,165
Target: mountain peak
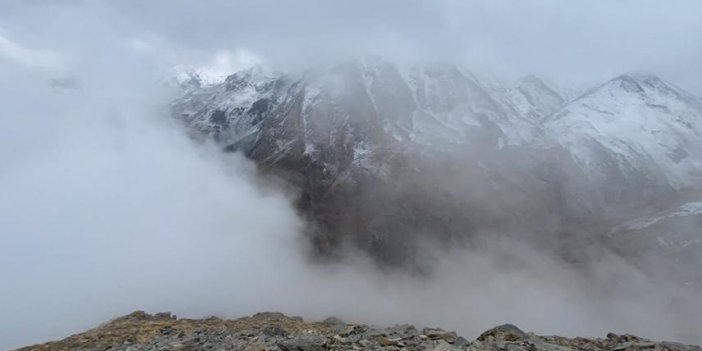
x,y
640,82
641,76
643,120
253,72
256,76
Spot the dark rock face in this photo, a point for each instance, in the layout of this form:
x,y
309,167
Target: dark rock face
x,y
366,145
385,155
274,331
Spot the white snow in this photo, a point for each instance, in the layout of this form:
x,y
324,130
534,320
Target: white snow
x,y
640,120
688,209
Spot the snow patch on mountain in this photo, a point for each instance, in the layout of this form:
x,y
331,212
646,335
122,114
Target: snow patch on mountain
x,y
688,209
231,109
533,99
644,123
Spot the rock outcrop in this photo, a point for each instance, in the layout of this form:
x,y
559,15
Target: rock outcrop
x,y
275,331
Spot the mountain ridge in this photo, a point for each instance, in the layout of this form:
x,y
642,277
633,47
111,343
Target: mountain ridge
x,y
461,156
276,331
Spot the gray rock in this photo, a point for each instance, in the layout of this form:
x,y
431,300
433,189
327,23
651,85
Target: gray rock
x,y
304,342
442,346
403,331
437,333
333,321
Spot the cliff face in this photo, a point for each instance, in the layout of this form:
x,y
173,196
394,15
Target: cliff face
x,y
275,331
385,155
381,154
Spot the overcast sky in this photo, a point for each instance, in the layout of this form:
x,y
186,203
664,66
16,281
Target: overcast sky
x,y
568,41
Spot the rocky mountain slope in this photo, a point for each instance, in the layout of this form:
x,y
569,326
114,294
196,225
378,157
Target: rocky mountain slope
x,y
275,331
385,154
673,234
535,100
635,138
356,136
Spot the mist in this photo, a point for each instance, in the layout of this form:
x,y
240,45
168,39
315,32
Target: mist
x,y
108,206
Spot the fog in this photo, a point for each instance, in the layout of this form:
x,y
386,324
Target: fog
x,y
582,41
107,206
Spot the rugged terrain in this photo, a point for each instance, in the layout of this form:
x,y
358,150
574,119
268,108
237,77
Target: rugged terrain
x,y
383,155
275,331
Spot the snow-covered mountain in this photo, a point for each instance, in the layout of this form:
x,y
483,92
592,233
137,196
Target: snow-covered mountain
x,y
364,130
189,76
413,104
380,149
635,123
534,99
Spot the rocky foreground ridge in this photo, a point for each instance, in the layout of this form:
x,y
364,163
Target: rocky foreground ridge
x,y
275,331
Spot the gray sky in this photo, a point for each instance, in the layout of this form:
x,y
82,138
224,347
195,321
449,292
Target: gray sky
x,y
568,41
